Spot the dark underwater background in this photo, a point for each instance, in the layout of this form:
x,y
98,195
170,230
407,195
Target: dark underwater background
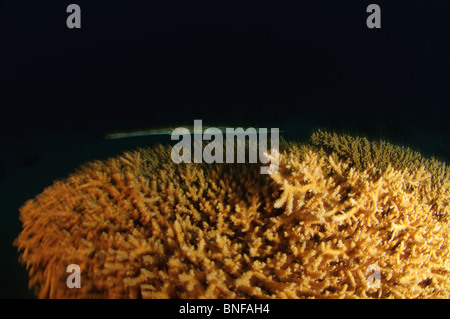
x,y
144,64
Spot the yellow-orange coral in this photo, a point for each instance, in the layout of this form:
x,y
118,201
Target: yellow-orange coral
x,y
140,226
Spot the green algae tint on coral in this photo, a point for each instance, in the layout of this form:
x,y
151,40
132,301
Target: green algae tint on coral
x,y
141,226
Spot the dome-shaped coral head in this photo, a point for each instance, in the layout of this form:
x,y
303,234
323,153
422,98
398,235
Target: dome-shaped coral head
x,y
342,217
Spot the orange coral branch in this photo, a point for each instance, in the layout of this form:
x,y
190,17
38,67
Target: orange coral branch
x,y
141,226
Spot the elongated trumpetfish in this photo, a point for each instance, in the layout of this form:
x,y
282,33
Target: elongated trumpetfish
x,y
138,133
202,134
168,131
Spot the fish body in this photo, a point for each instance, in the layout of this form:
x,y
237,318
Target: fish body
x,y
166,131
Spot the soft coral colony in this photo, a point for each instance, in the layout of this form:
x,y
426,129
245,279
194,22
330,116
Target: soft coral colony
x,y
140,226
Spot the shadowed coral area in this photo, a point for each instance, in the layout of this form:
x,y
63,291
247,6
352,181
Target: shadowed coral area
x,y
141,226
